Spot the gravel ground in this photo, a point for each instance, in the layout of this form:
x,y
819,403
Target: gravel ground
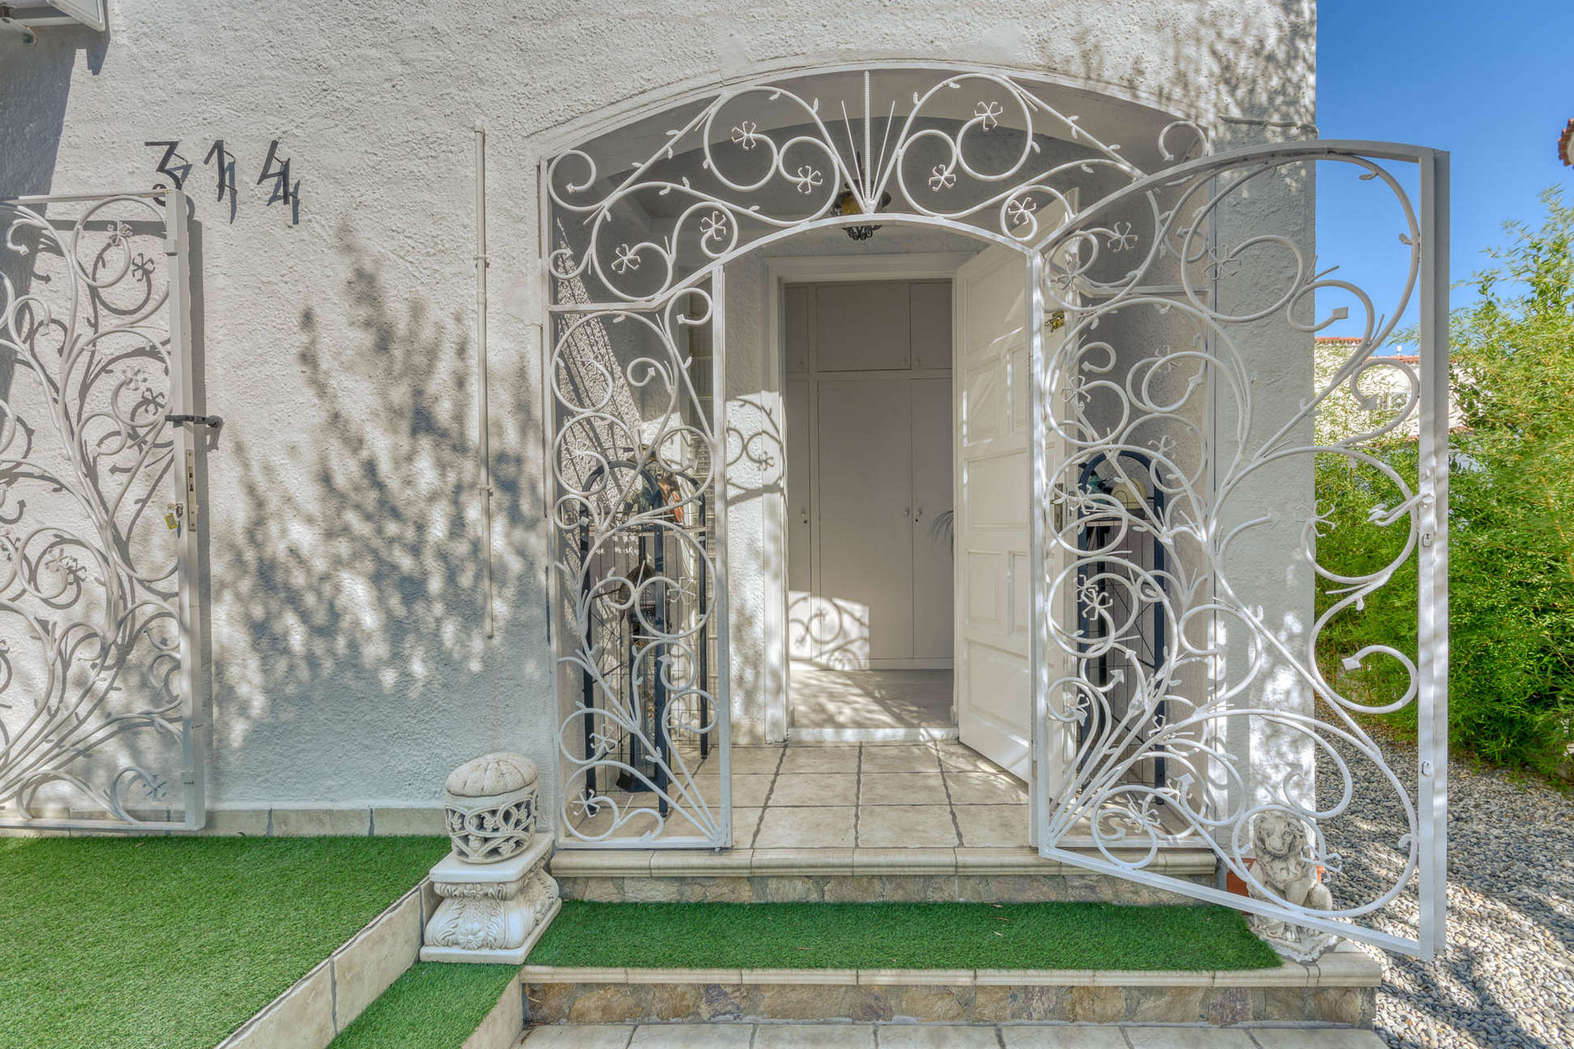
x,y
1507,977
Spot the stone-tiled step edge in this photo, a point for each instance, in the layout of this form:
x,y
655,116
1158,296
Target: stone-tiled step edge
x,y
1340,989
569,862
503,1025
323,1002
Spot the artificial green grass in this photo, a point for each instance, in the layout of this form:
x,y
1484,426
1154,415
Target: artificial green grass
x,y
899,936
172,943
432,1006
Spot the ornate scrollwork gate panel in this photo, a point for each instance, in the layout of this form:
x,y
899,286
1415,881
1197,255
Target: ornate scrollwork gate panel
x,y
1207,471
637,457
102,681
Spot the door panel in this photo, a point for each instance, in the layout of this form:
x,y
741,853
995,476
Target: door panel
x,y
930,310
993,710
865,532
862,327
932,570
800,514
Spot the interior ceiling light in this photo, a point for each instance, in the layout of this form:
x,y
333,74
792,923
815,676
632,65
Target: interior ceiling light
x,y
847,204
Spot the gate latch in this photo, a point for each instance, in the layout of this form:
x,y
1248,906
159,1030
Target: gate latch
x,y
201,420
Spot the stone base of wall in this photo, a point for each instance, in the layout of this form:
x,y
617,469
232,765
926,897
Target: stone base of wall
x,y
996,875
1341,989
869,888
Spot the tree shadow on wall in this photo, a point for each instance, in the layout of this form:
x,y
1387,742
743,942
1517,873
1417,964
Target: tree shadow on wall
x,y
349,606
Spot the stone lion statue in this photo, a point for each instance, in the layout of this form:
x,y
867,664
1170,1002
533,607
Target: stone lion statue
x,y
1282,863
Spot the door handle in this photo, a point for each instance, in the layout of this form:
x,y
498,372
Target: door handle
x,y
917,513
803,516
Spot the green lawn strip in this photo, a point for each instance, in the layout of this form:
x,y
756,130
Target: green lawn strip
x,y
172,943
900,936
434,1005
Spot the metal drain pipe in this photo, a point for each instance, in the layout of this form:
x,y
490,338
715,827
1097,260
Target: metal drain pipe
x,y
483,423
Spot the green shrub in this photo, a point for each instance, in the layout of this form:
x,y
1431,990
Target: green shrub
x,y
1511,519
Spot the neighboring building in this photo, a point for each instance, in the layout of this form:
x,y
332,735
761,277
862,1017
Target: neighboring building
x,y
1384,392
874,373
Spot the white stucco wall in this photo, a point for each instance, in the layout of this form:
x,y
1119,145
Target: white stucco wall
x,y
350,665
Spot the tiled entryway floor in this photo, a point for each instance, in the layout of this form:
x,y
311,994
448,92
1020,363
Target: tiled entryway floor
x,y
824,699
871,795
923,1036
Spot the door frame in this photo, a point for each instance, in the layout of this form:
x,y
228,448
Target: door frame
x,y
780,271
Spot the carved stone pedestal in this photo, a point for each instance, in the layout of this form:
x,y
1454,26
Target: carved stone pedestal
x,y
492,913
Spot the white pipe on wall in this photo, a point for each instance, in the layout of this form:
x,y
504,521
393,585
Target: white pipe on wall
x,y
482,421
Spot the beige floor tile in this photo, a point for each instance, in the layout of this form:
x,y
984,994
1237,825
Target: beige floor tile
x,y
1312,1038
745,822
748,790
901,788
579,1036
986,826
960,758
755,760
805,758
985,788
692,1036
1061,1036
899,757
924,1036
905,826
814,1036
1187,1038
806,828
815,788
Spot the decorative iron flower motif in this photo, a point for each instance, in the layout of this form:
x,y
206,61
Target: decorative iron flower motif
x,y
808,179
746,134
940,178
988,114
1020,209
714,226
1121,237
625,259
142,268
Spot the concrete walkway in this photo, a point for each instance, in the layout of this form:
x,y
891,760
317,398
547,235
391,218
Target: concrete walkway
x,y
928,1036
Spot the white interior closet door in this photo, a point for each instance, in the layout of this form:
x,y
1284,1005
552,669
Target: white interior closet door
x,y
993,577
865,531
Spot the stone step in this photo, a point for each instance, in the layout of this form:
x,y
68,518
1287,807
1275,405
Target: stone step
x,y
1339,989
934,1036
980,875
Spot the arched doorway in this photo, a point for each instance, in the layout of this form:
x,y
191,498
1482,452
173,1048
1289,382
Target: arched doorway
x,y
1177,695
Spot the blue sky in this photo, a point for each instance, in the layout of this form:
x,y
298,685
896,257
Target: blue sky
x,y
1491,83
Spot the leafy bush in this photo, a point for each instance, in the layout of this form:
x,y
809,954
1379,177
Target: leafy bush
x,y
1511,518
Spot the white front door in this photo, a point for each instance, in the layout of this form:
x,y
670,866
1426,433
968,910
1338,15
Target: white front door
x,y
993,578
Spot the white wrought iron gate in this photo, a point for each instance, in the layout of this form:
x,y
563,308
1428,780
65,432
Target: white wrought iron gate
x,y
1194,676
1205,689
103,682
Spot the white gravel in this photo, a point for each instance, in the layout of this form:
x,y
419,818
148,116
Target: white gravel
x,y
1507,976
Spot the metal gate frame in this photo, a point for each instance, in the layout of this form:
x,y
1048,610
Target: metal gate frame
x,y
187,475
1216,176
1005,215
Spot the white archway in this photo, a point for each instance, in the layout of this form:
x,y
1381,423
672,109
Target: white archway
x,y
1181,281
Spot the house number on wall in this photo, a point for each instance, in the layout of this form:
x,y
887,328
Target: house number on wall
x,y
274,170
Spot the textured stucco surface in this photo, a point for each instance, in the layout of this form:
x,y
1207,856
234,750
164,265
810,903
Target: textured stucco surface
x,y
350,665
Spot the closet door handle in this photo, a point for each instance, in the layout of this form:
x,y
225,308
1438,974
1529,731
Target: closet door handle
x,y
919,512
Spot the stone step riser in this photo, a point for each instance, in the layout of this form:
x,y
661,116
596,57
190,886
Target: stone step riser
x,y
698,1002
868,888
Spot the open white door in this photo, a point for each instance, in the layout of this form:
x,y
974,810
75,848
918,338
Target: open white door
x,y
994,580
